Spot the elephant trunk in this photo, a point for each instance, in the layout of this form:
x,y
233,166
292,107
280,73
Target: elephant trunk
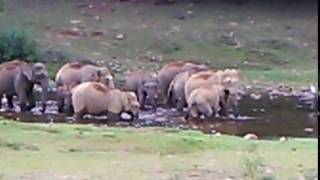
x,y
44,94
235,108
153,102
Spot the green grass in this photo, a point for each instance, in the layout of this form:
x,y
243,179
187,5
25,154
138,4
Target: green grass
x,y
84,151
272,46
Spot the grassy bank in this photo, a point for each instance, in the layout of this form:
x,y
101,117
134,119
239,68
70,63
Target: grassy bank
x,y
271,43
42,151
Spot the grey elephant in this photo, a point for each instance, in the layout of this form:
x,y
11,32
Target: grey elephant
x,y
74,73
145,85
18,78
170,70
175,94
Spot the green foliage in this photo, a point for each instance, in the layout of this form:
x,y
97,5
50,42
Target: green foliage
x,y
251,167
15,44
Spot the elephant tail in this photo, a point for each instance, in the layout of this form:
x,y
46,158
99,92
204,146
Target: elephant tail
x,y
170,94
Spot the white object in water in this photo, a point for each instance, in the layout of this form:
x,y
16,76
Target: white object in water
x,y
125,115
313,89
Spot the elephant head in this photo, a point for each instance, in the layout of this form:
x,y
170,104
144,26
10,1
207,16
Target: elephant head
x,y
230,79
106,77
37,74
130,103
149,88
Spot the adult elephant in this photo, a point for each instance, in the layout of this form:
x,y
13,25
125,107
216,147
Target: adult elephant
x,y
74,73
170,70
145,85
18,77
229,79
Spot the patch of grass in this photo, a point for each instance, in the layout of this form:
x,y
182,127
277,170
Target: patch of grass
x,y
17,146
272,43
146,151
251,167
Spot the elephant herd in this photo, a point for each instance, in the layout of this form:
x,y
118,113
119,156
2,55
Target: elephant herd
x,y
88,88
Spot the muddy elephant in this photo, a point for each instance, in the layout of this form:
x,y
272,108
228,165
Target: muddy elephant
x,y
18,78
205,101
175,94
145,85
170,70
74,73
229,79
97,98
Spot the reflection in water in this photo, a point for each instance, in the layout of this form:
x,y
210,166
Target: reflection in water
x,y
281,116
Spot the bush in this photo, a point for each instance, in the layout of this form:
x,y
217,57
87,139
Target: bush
x,y
16,45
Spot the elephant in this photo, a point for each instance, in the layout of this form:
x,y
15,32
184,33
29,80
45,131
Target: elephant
x,y
145,85
229,79
205,101
18,78
175,94
170,70
74,73
97,98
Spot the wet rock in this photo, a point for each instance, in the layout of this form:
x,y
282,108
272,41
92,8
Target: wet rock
x,y
309,130
125,116
98,18
120,36
190,13
250,136
75,21
233,24
255,96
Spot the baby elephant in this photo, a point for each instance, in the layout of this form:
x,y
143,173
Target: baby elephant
x,y
97,98
205,101
145,85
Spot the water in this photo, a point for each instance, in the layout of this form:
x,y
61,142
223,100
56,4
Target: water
x,y
268,117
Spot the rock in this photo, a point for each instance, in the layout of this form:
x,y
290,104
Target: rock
x,y
190,13
251,136
282,139
255,96
98,18
75,21
309,130
120,36
313,89
233,24
218,134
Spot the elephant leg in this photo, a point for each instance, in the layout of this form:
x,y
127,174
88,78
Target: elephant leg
x,y
79,116
1,100
23,100
142,99
60,104
154,104
235,110
68,105
223,109
31,100
10,101
113,116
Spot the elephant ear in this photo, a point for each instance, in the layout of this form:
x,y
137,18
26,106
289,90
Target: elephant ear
x,y
26,70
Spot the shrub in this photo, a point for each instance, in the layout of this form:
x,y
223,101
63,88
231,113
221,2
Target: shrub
x,y
16,45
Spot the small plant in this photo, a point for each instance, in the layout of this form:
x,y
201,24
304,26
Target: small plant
x,y
16,45
251,167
